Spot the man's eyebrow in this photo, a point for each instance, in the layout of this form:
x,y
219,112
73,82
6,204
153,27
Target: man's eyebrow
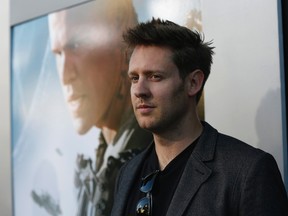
x,y
131,72
145,73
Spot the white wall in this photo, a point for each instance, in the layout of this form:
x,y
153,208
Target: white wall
x,y
5,166
243,95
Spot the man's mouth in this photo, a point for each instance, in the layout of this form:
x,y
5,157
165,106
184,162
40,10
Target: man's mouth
x,y
75,102
145,108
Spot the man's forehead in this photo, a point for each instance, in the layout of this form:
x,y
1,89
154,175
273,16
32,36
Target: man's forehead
x,y
89,32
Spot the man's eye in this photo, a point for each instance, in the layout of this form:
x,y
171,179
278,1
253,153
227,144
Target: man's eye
x,y
133,79
72,46
155,77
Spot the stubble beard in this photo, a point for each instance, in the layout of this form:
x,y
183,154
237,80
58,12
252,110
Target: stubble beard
x,y
166,121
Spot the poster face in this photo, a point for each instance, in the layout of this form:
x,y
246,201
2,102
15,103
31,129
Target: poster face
x,y
72,122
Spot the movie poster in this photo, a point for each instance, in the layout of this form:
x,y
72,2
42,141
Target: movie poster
x,y
72,122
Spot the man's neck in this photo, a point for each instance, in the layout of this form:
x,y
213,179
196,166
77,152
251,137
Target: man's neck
x,y
171,144
109,134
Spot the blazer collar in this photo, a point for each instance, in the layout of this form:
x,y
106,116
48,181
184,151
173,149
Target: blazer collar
x,y
195,172
205,148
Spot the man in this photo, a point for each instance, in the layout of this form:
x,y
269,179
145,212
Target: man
x,y
190,168
92,66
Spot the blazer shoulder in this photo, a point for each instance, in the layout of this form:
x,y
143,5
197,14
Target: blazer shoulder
x,y
215,145
237,149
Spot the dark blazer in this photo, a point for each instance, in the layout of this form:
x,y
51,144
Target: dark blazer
x,y
223,176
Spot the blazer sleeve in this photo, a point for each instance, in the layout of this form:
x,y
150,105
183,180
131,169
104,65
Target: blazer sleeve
x,y
263,192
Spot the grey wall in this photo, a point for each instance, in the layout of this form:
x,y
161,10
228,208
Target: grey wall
x,y
28,9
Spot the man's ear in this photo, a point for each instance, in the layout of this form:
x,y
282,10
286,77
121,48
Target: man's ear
x,y
195,81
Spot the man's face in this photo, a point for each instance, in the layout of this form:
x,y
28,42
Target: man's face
x,y
89,65
158,94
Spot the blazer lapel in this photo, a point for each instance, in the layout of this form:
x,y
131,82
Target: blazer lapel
x,y
195,172
126,182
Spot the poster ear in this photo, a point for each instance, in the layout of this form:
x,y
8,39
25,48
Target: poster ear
x,y
195,81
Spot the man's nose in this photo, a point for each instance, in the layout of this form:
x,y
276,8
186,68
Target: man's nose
x,y
141,89
66,68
